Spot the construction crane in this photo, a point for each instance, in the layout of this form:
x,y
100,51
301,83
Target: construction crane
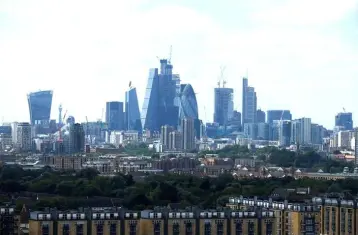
x,y
59,129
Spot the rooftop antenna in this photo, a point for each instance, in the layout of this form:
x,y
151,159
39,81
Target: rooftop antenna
x,y
344,110
170,54
130,84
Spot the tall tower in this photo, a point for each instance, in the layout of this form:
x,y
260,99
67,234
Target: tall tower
x,y
249,103
188,133
60,115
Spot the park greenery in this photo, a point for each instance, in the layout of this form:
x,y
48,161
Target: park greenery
x,y
70,190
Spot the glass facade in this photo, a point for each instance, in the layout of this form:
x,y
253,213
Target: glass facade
x,y
133,121
344,120
188,103
273,115
224,105
40,107
150,104
159,106
115,115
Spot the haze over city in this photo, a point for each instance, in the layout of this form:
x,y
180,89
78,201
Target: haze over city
x,y
88,52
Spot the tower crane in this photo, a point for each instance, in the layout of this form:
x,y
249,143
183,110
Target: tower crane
x,y
59,129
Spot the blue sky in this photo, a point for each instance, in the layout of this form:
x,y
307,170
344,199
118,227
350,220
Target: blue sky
x,y
300,55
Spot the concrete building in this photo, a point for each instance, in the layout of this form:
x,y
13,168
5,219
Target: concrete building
x,y
188,134
164,135
23,136
175,141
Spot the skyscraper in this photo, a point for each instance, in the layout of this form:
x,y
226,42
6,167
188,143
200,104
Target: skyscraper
x,y
188,134
249,103
278,115
285,133
188,105
23,136
260,116
301,131
115,115
40,107
224,105
132,113
344,120
159,106
76,138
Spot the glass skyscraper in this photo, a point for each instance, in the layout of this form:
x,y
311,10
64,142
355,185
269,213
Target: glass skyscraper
x,y
159,107
249,103
132,113
40,107
273,115
115,115
188,104
344,120
224,105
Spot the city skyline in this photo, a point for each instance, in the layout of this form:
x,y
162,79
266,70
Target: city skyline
x,y
286,69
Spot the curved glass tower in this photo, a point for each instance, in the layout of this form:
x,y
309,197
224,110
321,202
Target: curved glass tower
x,y
40,107
188,103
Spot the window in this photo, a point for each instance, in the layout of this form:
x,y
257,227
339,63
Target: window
x,y
251,228
45,229
113,229
133,229
176,230
238,228
156,228
189,228
99,229
207,228
66,229
79,229
220,228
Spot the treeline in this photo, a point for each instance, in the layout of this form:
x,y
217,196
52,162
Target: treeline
x,y
66,190
283,157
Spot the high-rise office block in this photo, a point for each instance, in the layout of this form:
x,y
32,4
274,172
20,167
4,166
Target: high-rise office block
x,y
224,105
115,115
164,136
249,103
40,107
132,113
159,106
317,134
285,133
356,146
344,120
76,137
278,115
301,131
263,131
250,130
188,104
23,136
188,134
260,116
